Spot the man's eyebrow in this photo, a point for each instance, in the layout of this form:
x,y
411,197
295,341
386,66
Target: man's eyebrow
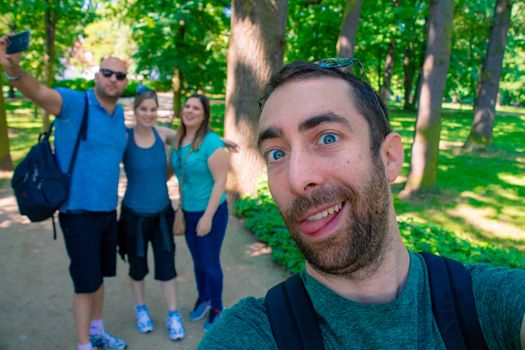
x,y
269,133
314,121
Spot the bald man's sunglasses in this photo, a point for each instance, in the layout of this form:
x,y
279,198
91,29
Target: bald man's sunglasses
x,y
107,73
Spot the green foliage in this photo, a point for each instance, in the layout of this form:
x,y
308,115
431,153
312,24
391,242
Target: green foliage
x,y
187,36
263,218
71,17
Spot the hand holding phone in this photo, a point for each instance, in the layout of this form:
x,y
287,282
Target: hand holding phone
x,y
17,43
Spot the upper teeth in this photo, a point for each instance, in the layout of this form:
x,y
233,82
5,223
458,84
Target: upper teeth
x,y
326,212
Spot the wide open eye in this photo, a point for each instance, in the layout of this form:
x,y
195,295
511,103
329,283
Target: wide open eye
x,y
274,155
328,138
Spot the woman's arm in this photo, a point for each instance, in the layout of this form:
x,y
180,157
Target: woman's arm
x,y
218,163
166,134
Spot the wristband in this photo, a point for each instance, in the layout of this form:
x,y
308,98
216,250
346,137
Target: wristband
x,y
11,78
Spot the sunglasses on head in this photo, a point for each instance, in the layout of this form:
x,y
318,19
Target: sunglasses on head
x,y
341,62
107,73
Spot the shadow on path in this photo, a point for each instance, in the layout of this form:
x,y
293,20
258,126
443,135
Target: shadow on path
x,y
36,292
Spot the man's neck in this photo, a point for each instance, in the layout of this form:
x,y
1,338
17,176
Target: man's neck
x,y
109,104
378,286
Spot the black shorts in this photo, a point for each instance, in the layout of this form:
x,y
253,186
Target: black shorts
x,y
136,230
91,243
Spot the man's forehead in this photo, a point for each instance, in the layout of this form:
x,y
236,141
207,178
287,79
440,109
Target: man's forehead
x,y
302,98
114,62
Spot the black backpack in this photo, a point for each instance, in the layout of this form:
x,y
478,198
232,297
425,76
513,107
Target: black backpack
x,y
294,325
40,186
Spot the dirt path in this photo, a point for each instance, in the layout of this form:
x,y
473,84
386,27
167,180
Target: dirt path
x,y
36,291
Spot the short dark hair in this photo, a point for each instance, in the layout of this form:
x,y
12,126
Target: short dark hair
x,y
367,101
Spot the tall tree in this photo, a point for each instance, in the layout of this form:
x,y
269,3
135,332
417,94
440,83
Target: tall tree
x,y
51,12
5,156
255,53
388,72
425,149
192,49
346,41
485,105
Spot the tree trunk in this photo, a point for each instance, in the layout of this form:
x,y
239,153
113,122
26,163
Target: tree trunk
x,y
176,84
51,18
409,71
346,40
384,92
480,137
5,155
255,52
11,92
425,149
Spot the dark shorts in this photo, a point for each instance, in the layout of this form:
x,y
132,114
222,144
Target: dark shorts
x,y
136,231
91,243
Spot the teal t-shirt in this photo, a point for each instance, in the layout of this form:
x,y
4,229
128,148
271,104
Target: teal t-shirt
x,y
403,323
198,180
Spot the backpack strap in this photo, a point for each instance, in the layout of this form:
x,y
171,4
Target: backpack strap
x,y
82,133
453,303
292,316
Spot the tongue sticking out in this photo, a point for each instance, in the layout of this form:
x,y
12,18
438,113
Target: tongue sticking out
x,y
323,226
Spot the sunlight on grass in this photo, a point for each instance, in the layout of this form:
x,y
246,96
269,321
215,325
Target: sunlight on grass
x,y
513,179
480,195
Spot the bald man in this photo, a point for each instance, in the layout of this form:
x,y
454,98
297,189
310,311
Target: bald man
x,y
88,217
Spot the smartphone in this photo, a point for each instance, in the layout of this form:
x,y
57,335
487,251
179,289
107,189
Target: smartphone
x,y
17,43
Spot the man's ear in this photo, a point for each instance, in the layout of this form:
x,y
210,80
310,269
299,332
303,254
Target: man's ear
x,y
393,156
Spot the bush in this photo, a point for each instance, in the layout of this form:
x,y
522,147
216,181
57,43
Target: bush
x,y
263,218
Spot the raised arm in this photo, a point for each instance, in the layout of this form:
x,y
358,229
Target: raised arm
x,y
45,97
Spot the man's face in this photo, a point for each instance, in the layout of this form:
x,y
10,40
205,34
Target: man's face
x,y
111,87
328,184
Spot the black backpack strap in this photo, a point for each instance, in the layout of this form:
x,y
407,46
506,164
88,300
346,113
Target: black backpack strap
x,y
453,303
292,316
82,133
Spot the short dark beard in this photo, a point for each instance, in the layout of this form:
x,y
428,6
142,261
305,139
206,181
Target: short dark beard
x,y
360,244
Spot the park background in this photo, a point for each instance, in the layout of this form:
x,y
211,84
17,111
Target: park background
x,y
451,73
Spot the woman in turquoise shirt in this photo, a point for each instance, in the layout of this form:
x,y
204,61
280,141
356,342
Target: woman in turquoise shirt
x,y
201,164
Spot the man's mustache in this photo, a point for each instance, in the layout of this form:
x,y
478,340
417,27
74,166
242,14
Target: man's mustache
x,y
319,197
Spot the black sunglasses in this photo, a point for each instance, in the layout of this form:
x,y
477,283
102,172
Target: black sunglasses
x,y
341,62
107,73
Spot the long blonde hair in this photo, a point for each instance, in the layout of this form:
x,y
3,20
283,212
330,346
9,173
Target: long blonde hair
x,y
203,128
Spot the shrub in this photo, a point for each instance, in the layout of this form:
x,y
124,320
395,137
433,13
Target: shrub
x,y
263,218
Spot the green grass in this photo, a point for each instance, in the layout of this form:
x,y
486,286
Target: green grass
x,y
480,195
475,217
480,198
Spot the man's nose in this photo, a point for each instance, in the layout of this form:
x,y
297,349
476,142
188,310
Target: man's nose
x,y
304,172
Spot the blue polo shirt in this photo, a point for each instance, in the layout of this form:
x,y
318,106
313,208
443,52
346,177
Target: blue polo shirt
x,y
95,176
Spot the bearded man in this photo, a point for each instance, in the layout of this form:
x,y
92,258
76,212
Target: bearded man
x,y
330,157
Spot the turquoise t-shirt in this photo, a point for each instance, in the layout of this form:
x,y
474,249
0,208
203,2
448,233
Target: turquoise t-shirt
x,y
403,323
198,180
